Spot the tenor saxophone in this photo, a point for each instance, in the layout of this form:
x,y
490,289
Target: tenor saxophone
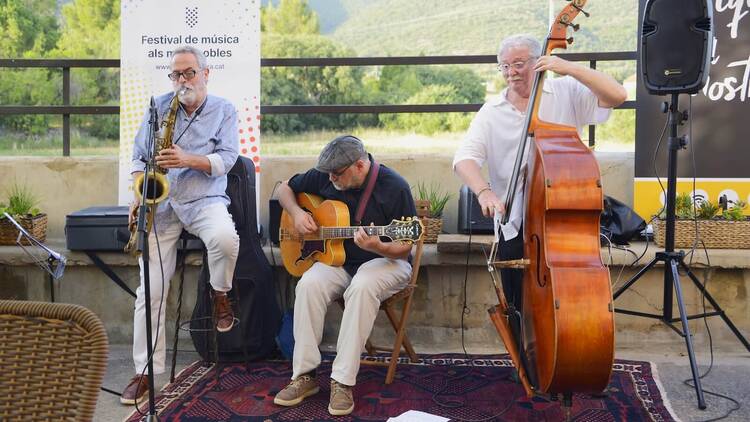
x,y
157,185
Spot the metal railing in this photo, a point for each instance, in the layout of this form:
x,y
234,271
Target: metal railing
x,y
66,109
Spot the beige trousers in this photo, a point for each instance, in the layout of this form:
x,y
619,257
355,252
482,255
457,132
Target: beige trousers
x,y
214,226
375,281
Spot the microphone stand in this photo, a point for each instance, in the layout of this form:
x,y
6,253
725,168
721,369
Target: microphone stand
x,y
142,247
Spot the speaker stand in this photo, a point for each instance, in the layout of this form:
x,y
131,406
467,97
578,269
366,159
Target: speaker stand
x,y
673,260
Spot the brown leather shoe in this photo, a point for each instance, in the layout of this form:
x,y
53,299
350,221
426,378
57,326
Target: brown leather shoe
x,y
136,390
223,312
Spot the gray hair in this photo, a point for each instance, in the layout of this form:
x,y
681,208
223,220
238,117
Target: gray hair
x,y
197,53
522,40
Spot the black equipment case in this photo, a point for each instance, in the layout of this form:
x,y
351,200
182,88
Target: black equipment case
x,y
97,229
105,229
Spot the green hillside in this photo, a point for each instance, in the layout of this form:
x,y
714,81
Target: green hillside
x,y
409,27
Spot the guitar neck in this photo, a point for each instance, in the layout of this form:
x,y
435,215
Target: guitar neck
x,y
345,232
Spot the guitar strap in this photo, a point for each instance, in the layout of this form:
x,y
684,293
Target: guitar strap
x,y
371,177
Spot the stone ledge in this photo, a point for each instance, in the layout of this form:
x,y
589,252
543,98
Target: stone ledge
x,y
449,251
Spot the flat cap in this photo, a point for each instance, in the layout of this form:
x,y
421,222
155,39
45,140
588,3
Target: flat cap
x,y
339,153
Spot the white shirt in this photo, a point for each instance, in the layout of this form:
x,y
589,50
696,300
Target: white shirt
x,y
496,130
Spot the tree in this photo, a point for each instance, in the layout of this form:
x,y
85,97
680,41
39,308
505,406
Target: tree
x,y
28,29
310,85
290,17
429,123
91,29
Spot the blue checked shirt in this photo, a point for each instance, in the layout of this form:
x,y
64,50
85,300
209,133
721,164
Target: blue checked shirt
x,y
213,134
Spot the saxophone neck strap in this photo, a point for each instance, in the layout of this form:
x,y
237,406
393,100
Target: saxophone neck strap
x,y
196,113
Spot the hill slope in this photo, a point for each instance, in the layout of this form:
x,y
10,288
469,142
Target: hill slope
x,y
406,27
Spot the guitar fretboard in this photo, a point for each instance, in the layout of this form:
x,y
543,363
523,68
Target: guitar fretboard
x,y
344,232
347,232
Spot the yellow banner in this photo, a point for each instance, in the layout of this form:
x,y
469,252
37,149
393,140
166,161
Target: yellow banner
x,y
648,197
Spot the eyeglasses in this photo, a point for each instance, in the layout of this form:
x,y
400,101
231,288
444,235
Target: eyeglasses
x,y
339,173
187,74
519,65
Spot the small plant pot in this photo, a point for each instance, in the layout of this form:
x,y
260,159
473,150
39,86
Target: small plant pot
x,y
423,207
432,228
36,226
714,233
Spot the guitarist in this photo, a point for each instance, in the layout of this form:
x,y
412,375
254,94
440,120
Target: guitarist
x,y
373,271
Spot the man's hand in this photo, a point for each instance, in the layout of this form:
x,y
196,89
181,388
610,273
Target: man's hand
x,y
304,223
555,64
172,158
489,202
133,210
367,242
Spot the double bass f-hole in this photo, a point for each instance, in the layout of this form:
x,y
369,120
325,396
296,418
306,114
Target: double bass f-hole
x,y
541,279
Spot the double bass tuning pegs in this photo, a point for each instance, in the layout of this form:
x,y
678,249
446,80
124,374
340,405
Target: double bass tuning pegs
x,y
575,4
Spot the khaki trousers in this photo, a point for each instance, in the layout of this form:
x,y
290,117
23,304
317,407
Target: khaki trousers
x,y
214,226
375,281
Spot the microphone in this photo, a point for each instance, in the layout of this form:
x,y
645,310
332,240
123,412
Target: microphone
x,y
55,262
154,116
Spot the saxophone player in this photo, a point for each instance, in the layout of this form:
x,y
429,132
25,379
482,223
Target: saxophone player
x,y
203,149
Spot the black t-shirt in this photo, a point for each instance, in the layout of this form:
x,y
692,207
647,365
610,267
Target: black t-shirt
x,y
391,199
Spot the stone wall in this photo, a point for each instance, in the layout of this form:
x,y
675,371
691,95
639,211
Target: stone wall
x,y
436,317
67,184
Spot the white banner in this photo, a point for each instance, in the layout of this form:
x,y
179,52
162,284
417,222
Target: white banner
x,y
229,34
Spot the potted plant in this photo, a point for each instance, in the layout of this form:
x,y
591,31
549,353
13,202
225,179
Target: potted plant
x,y
22,207
430,202
700,222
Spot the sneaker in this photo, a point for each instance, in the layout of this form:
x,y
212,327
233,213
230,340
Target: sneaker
x,y
342,399
136,390
293,394
224,313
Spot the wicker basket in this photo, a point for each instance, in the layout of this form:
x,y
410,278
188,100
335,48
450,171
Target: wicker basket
x,y
432,228
715,234
423,207
36,226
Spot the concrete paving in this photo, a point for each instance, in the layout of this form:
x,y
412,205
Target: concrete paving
x,y
729,376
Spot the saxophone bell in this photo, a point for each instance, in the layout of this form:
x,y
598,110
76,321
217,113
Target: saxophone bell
x,y
157,187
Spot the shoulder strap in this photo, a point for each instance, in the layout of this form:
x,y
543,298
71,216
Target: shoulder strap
x,y
368,191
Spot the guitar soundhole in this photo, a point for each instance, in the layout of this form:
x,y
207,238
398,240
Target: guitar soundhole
x,y
309,247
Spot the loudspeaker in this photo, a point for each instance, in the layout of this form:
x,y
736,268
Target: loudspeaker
x,y
470,218
676,45
274,220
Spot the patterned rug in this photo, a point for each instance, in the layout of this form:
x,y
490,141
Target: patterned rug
x,y
447,385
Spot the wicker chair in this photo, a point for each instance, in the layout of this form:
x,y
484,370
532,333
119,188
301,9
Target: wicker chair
x,y
397,320
53,357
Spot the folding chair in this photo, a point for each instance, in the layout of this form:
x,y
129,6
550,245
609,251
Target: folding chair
x,y
397,320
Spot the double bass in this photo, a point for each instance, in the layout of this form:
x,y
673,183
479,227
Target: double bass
x,y
566,339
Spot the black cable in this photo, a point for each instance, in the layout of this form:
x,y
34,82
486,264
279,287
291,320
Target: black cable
x,y
656,170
